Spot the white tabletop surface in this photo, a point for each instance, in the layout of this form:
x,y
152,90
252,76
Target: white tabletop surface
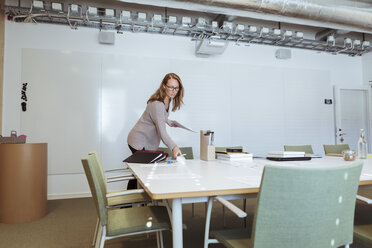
x,y
195,178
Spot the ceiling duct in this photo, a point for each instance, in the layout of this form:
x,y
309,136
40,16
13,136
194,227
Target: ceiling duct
x,y
350,15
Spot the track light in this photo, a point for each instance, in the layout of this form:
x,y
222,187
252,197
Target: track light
x,y
57,7
110,13
356,43
288,33
92,11
252,29
348,43
141,16
239,28
186,21
38,4
331,40
227,26
74,8
172,20
157,18
365,44
299,35
214,25
264,30
201,22
277,31
125,15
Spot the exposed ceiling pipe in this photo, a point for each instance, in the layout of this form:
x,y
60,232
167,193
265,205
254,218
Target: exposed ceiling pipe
x,y
349,15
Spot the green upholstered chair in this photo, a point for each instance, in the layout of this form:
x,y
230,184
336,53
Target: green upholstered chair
x,y
119,222
120,198
298,207
335,149
305,148
184,150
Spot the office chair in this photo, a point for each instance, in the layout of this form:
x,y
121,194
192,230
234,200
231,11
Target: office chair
x,y
184,150
112,201
335,150
305,148
297,207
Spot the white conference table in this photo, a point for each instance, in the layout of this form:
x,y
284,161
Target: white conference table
x,y
195,180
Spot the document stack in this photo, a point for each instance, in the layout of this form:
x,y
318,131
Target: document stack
x,y
235,156
285,154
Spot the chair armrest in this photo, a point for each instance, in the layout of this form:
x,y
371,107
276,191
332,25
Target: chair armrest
x,y
364,199
118,169
109,180
126,192
120,176
232,207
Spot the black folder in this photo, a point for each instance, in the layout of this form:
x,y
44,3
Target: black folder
x,y
288,158
144,157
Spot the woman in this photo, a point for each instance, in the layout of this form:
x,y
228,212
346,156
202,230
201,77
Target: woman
x,y
150,128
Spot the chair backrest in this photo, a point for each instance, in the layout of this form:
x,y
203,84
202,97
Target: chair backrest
x,y
99,167
306,207
336,149
97,186
184,150
305,148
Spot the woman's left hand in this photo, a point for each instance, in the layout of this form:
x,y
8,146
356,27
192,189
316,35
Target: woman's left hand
x,y
176,152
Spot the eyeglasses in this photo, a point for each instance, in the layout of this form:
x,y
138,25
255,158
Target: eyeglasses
x,y
173,88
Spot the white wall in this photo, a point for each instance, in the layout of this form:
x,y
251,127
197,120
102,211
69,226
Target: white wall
x,y
367,68
342,70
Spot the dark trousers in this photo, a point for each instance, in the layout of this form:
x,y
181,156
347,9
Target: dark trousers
x,y
132,184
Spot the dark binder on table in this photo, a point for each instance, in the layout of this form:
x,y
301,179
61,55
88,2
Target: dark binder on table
x,y
146,157
288,158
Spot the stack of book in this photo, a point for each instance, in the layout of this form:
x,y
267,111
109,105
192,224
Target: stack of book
x,y
287,156
235,156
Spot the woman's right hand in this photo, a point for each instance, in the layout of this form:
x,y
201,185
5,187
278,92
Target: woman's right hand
x,y
171,123
176,152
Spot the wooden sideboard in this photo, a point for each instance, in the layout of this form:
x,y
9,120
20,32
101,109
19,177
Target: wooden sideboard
x,y
23,182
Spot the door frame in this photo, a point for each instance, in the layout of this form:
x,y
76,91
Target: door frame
x,y
337,110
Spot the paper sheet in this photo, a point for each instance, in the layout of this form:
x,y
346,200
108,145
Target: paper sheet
x,y
177,124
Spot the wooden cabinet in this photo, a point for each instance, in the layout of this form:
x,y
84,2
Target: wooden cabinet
x,y
23,182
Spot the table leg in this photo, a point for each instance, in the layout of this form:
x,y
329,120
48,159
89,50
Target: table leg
x,y
177,223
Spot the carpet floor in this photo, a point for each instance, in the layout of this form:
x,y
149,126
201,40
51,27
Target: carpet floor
x,y
70,223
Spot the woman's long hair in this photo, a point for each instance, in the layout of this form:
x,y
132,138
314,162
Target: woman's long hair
x,y
160,94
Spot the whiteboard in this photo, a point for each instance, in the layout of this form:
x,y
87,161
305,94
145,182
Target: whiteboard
x,y
81,102
63,107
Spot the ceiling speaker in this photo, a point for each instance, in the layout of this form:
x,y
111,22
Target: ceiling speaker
x,y
283,54
210,47
105,37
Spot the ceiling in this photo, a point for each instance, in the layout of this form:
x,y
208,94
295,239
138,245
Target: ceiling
x,y
284,23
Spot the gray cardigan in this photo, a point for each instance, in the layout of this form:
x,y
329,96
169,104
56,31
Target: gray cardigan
x,y
150,128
